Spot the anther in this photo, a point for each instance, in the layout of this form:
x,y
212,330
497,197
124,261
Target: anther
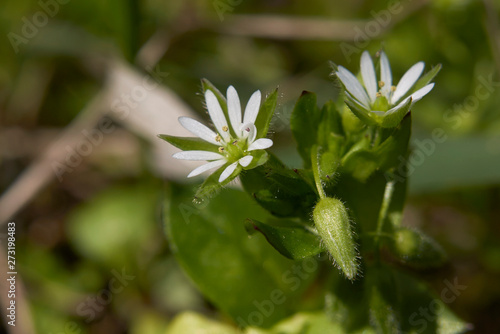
x,y
235,142
381,84
218,138
225,128
221,149
378,94
393,88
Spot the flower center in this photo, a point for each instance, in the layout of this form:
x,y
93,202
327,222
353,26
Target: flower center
x,y
233,149
381,103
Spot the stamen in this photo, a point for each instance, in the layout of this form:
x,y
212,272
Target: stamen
x,y
218,138
247,129
225,128
221,149
379,94
381,84
393,88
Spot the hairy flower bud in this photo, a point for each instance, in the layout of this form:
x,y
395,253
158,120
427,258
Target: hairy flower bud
x,y
334,227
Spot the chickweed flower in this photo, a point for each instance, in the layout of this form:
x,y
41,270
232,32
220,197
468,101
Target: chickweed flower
x,y
234,145
377,100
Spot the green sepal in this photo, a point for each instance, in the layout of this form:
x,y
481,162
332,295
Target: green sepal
x,y
190,143
212,186
292,240
392,119
426,78
266,113
364,115
260,157
304,124
416,249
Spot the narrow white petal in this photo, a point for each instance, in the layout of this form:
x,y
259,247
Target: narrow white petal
x,y
252,108
260,144
407,81
421,92
205,167
228,171
368,75
216,114
245,161
353,86
249,131
197,155
418,94
385,74
234,109
198,129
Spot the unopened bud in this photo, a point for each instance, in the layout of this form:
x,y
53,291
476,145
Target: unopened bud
x,y
333,225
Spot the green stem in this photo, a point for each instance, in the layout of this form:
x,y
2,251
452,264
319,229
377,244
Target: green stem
x,y
384,208
315,169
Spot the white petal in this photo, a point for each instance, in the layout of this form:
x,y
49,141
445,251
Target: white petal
x,y
197,155
234,109
208,166
245,161
418,94
249,130
368,75
260,144
216,114
228,171
252,108
421,92
407,81
198,129
353,86
385,73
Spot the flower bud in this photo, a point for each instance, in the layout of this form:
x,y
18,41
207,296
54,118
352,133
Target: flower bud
x,y
333,225
417,249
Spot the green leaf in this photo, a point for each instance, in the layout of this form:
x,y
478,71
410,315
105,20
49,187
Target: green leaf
x,y
266,113
244,277
291,239
304,124
282,191
395,148
426,78
190,143
330,124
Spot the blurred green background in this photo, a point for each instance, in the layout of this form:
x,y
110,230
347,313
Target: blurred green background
x,y
103,217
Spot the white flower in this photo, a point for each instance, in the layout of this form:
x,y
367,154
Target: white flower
x,y
236,142
380,96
